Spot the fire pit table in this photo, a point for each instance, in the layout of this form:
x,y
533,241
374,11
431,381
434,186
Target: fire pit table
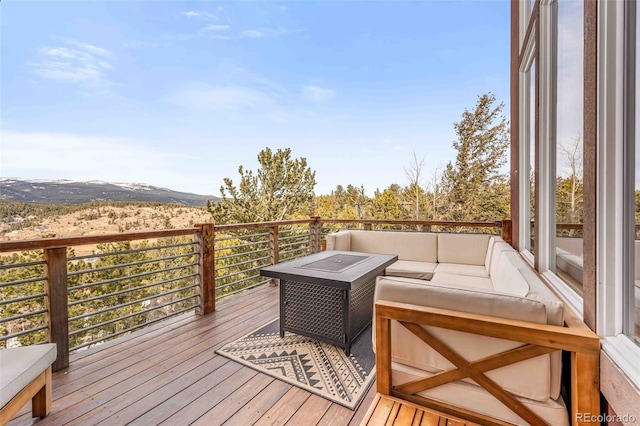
x,y
328,295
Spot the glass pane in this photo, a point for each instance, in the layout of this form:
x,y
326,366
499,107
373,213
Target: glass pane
x,y
532,155
569,177
636,287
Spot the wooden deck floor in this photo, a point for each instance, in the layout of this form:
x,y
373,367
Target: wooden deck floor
x,y
169,374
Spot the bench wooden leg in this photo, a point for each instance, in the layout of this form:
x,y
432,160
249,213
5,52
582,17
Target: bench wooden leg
x,y
39,391
585,388
41,401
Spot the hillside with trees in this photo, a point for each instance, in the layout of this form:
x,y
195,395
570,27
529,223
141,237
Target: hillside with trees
x,y
21,221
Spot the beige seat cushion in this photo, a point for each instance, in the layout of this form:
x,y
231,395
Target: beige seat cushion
x,y
463,280
20,366
529,379
456,268
411,269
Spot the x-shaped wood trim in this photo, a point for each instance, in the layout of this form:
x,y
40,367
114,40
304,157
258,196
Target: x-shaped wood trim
x,y
475,370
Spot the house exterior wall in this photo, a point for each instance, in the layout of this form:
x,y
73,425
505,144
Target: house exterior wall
x,y
603,293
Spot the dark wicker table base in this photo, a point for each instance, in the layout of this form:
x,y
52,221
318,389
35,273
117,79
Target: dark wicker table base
x,y
326,313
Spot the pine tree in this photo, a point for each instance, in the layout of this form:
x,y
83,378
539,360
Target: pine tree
x,y
281,188
476,178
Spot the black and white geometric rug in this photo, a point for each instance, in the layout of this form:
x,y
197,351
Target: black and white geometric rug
x,y
318,367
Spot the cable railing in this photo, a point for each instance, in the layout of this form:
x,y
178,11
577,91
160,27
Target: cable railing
x,y
131,280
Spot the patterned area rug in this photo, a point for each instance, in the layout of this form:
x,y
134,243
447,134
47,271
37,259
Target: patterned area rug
x,y
318,367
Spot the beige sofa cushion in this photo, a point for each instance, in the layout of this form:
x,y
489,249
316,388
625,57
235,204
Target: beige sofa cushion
x,y
463,280
459,269
515,276
498,248
339,241
507,276
20,366
416,246
468,249
476,399
529,379
411,269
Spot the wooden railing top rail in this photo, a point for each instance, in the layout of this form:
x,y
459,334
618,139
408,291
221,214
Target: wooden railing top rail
x,y
412,222
56,242
251,225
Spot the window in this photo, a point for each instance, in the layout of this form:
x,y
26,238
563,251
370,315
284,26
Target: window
x,y
633,193
531,169
568,142
527,130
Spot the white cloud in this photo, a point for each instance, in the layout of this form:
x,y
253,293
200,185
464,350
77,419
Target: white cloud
x,y
317,94
79,157
30,153
255,33
215,28
78,62
199,15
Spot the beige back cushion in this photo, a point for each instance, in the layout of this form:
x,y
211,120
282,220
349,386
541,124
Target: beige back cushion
x,y
470,249
514,265
498,248
417,246
339,241
487,260
507,277
530,379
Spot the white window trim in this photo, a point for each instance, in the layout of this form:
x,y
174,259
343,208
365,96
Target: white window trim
x,y
524,140
547,16
610,213
568,295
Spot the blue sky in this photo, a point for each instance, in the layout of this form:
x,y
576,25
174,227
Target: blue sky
x,y
179,94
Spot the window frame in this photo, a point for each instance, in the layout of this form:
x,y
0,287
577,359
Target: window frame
x,y
614,125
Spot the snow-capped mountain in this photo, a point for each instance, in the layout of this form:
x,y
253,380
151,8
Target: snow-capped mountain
x,y
75,192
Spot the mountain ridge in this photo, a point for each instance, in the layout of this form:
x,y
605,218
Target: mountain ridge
x,y
65,191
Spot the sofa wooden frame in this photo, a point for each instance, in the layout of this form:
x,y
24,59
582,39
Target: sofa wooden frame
x,y
537,339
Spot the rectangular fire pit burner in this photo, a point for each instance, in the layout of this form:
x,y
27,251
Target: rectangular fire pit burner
x,y
336,263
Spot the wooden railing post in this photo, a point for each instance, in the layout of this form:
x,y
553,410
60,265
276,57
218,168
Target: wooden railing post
x,y
206,268
368,226
426,228
274,251
506,230
56,303
315,230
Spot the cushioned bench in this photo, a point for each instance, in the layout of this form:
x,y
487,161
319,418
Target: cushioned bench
x,y
25,373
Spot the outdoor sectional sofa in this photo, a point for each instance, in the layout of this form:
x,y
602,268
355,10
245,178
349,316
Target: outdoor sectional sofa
x,y
465,274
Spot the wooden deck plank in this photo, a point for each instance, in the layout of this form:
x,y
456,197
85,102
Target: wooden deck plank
x,y
230,405
406,415
285,408
127,406
364,405
191,402
253,409
382,412
311,411
390,411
